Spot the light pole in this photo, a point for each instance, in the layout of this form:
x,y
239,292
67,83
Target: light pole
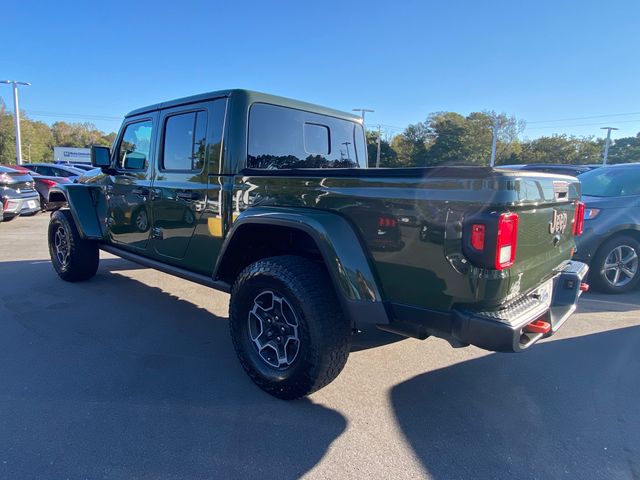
x,y
363,111
605,157
16,116
494,142
346,144
378,151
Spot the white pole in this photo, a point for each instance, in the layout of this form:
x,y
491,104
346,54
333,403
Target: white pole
x,y
16,118
362,113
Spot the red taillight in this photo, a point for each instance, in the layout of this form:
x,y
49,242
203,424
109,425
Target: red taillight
x,y
507,239
48,183
387,222
477,236
578,219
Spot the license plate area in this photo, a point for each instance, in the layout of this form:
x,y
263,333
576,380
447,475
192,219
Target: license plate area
x,y
544,293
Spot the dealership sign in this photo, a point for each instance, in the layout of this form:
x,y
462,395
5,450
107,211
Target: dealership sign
x,y
71,155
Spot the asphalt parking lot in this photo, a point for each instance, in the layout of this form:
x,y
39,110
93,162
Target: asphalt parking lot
x,y
133,375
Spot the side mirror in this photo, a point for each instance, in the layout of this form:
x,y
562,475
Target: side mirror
x,y
100,156
134,161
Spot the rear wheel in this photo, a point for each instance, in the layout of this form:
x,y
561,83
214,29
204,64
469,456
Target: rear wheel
x,y
73,258
615,266
287,326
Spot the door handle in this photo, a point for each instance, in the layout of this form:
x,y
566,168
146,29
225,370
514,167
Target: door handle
x,y
141,192
190,196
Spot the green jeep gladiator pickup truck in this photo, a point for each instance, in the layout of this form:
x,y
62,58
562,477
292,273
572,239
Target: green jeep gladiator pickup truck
x,y
271,200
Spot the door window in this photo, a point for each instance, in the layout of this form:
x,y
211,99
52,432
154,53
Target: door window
x,y
59,172
47,171
133,153
184,144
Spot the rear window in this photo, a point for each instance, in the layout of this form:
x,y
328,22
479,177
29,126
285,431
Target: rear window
x,y
61,172
283,138
611,182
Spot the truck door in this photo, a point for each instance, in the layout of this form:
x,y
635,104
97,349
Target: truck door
x,y
180,188
128,190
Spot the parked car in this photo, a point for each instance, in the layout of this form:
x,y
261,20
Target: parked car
x,y
78,166
52,170
43,184
286,217
573,170
611,239
17,193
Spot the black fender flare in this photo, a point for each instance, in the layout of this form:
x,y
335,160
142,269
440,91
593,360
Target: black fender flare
x,y
341,249
82,201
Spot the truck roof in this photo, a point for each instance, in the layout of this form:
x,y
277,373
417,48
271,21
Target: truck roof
x,y
250,97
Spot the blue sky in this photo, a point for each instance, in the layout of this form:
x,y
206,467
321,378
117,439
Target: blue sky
x,y
537,60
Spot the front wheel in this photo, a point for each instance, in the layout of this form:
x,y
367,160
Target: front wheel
x,y
615,266
287,326
73,258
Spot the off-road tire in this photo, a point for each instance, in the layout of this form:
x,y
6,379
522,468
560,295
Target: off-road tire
x,y
82,257
323,330
596,277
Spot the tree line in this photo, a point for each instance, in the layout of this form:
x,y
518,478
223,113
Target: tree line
x,y
448,138
444,138
38,138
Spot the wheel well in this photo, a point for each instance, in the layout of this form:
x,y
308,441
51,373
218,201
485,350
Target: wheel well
x,y
630,232
57,197
635,234
252,242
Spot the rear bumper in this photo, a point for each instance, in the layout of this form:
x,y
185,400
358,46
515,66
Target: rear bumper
x,y
502,330
21,205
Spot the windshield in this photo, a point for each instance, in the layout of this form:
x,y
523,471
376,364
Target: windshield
x,y
611,182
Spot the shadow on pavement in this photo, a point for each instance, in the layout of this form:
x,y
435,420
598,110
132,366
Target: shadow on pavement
x,y
565,409
111,378
601,302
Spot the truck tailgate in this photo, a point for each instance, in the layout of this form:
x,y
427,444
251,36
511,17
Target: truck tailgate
x,y
545,234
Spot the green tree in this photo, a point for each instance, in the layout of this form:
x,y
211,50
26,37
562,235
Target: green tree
x,y
625,150
38,138
411,145
388,156
37,141
7,139
562,149
460,140
80,135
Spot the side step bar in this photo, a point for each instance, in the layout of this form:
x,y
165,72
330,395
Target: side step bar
x,y
170,269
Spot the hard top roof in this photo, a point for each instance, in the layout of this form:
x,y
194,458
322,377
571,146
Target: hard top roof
x,y
250,97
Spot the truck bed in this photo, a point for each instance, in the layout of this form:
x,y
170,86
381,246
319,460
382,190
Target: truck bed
x,y
411,219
